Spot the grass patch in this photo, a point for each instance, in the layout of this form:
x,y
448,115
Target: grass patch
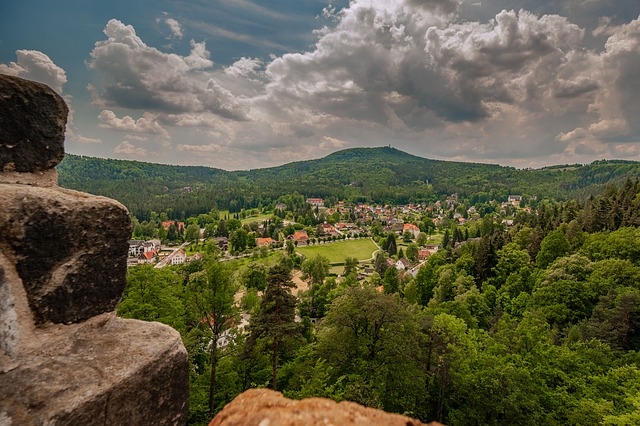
x,y
338,251
257,218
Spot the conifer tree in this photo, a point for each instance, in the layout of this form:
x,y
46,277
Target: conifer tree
x,y
275,323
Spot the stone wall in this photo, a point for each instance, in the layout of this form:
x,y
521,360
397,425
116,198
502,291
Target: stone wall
x,y
65,358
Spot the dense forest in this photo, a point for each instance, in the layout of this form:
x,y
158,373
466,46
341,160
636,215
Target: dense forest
x,y
375,175
537,323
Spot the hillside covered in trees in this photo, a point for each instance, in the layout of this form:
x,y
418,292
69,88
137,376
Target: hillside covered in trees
x,y
536,323
375,175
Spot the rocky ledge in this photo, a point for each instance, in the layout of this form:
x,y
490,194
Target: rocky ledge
x,y
264,407
65,359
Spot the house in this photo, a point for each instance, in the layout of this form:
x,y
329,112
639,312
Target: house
x,y
514,200
411,228
135,248
139,247
316,202
178,257
223,243
147,257
328,229
300,237
397,228
402,264
150,246
432,248
281,206
423,254
264,242
167,224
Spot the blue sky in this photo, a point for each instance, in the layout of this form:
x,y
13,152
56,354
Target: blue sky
x,y
242,84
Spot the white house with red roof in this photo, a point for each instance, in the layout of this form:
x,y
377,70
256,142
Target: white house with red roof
x,y
413,229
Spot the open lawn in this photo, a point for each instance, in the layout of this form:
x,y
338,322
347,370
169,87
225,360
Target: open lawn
x,y
338,251
258,218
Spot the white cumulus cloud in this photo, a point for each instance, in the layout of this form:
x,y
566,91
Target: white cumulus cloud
x,y
147,124
128,149
35,65
175,27
137,76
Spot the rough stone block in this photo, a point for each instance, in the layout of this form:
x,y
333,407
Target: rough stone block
x,y
70,250
105,371
33,119
269,408
8,318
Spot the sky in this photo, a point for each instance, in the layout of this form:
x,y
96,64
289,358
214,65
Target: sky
x,y
245,84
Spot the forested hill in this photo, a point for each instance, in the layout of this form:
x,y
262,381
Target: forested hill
x,y
378,175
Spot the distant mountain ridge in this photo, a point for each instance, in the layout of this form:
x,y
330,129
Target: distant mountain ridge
x,y
379,175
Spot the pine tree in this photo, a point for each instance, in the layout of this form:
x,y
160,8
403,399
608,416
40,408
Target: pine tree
x,y
391,245
275,323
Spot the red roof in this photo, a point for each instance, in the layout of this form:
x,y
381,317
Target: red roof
x,y
300,235
149,255
263,241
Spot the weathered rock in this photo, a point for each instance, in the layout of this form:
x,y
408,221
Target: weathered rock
x,y
69,249
65,359
264,407
8,318
105,371
32,124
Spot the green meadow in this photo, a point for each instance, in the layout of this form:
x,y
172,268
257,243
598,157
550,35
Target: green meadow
x,y
337,252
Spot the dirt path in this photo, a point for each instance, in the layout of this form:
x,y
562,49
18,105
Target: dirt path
x,y
301,285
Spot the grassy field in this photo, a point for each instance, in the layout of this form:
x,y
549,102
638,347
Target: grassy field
x,y
258,218
338,251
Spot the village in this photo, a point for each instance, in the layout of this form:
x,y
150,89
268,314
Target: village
x,y
419,230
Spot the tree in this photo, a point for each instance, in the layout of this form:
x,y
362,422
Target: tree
x,y
255,276
239,240
211,292
350,266
391,281
511,260
290,247
380,263
192,233
390,244
412,252
425,283
564,302
275,322
316,269
422,239
370,342
153,295
314,302
553,246
172,233
446,239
